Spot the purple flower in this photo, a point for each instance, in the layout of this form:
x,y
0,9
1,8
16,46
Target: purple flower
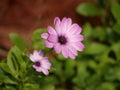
x,y
65,37
42,64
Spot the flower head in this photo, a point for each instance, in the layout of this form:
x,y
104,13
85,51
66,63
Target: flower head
x,y
65,38
42,64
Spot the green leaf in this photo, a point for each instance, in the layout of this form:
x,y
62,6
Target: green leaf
x,y
18,56
48,87
30,86
15,60
10,87
100,33
113,74
82,75
92,64
48,80
18,41
12,63
116,28
69,68
5,67
106,86
115,9
2,74
87,30
38,42
93,78
95,48
37,34
87,9
57,67
104,58
113,37
116,49
61,57
6,78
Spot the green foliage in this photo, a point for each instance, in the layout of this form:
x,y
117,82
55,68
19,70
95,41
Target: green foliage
x,y
18,41
82,75
38,42
87,9
93,48
115,9
106,86
98,31
116,28
49,87
99,65
69,68
87,31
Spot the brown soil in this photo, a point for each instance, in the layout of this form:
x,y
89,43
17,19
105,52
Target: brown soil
x,y
24,16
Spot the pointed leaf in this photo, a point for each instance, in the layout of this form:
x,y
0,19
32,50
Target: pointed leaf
x,y
115,9
87,9
18,41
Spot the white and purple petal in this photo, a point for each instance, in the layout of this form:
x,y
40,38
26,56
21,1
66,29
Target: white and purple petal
x,y
44,35
42,63
65,38
49,44
51,30
52,38
65,51
57,48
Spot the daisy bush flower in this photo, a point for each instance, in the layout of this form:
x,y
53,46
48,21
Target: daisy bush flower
x,y
65,37
42,63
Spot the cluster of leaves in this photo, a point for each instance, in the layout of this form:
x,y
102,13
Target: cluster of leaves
x,y
97,68
101,57
16,70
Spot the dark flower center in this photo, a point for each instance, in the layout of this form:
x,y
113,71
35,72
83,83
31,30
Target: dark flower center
x,y
62,40
37,64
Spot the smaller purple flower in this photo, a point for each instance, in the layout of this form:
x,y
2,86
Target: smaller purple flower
x,y
42,63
